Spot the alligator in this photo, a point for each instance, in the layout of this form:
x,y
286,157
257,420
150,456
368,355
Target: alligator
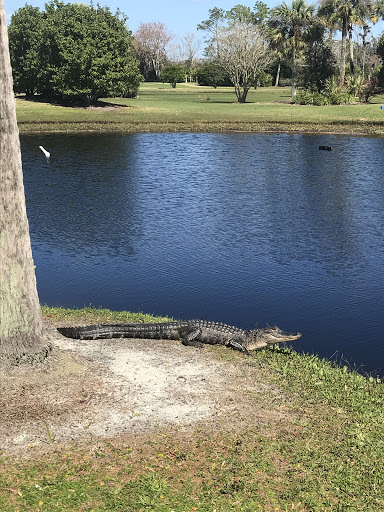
x,y
194,333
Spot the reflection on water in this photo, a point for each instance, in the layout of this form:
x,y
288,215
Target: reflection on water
x,y
241,228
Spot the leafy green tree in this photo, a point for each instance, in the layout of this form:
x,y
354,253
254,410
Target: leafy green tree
x,y
319,63
240,13
261,14
173,74
293,21
380,53
95,52
212,74
380,48
211,27
25,34
379,8
85,52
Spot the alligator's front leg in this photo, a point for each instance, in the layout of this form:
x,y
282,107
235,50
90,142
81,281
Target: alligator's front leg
x,y
189,338
236,345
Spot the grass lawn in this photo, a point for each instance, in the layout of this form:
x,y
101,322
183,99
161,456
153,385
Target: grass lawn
x,y
324,452
190,107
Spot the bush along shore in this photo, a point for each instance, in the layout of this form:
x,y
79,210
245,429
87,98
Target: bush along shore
x,y
189,107
320,450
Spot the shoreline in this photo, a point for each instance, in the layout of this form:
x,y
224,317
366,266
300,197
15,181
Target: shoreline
x,y
158,108
373,128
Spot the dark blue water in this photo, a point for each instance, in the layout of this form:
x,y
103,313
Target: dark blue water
x,y
248,229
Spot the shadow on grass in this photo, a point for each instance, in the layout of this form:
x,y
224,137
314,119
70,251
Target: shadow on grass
x,y
222,102
62,102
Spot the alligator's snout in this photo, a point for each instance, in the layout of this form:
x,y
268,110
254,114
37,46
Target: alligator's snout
x,y
276,335
260,338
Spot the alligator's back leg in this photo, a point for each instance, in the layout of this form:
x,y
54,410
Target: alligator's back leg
x,y
236,345
190,338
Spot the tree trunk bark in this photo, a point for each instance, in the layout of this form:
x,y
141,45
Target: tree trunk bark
x,y
351,61
343,51
278,73
241,93
294,75
21,328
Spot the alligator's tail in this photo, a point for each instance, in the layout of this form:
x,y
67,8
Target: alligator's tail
x,y
166,330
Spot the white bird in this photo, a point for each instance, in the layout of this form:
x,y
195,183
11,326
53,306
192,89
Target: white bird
x,y
46,153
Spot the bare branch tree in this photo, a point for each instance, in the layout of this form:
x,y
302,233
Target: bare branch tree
x,y
244,54
153,39
184,52
191,45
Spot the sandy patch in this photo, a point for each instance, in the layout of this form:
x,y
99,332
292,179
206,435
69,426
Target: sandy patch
x,y
105,388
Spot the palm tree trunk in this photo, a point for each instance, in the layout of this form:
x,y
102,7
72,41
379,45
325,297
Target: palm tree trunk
x,y
278,72
294,74
21,329
343,51
351,62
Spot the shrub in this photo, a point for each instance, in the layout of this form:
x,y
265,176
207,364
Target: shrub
x,y
285,82
311,98
355,85
320,99
340,98
264,79
369,88
303,98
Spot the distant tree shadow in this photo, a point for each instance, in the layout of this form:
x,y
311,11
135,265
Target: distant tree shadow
x,y
71,103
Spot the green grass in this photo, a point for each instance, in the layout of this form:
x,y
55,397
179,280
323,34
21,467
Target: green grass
x,y
189,107
92,315
324,453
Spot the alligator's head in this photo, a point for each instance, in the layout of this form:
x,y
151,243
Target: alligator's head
x,y
260,338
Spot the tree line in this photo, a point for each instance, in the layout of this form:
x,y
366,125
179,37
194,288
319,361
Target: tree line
x,y
299,38
246,47
84,52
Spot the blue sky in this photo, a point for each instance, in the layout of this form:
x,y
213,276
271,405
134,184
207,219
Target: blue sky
x,y
179,16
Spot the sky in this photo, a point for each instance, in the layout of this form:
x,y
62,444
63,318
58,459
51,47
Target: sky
x,y
179,16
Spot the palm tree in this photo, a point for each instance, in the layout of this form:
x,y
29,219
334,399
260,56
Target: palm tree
x,y
380,9
21,329
293,21
278,45
343,14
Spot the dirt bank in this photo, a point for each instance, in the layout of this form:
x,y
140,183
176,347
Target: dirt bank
x,y
104,388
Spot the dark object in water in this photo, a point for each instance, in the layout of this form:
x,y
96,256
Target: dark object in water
x,y
325,148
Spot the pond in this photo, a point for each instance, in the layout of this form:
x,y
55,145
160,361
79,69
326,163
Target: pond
x,y
247,229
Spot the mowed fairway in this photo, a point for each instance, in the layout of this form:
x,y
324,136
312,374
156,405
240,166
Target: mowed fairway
x,y
190,107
